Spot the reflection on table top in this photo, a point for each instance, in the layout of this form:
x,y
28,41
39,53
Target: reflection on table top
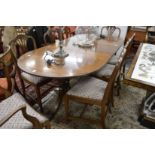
x,y
81,61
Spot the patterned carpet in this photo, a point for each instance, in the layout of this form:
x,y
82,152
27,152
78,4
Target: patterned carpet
x,y
124,115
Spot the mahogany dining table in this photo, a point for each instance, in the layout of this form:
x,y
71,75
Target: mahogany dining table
x,y
81,61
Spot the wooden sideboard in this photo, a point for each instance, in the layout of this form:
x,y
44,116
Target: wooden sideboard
x,y
140,37
139,31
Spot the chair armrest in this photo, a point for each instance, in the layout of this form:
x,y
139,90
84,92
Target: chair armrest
x,y
10,114
33,120
11,107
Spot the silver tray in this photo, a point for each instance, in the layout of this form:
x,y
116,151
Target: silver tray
x,y
86,44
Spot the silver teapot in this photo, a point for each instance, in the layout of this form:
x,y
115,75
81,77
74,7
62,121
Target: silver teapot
x,y
110,31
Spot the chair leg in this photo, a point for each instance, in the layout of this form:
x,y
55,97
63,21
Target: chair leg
x,y
66,103
37,89
124,70
47,125
21,81
118,87
111,101
112,97
23,87
16,87
103,116
109,106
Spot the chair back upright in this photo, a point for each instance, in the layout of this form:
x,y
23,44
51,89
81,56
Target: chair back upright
x,y
128,47
113,77
128,44
111,83
22,44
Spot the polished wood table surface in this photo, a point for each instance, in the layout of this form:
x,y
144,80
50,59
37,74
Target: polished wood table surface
x,y
135,82
81,61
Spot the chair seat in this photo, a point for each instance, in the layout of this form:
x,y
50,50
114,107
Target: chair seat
x,y
105,71
88,87
115,58
17,121
32,78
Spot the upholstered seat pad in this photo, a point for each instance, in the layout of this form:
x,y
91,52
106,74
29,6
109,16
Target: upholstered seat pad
x,y
119,51
17,121
105,71
116,57
88,87
32,78
114,60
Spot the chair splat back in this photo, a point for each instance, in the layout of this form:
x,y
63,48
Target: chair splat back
x,y
111,82
20,43
129,43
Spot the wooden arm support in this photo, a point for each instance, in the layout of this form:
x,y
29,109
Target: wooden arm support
x,y
33,120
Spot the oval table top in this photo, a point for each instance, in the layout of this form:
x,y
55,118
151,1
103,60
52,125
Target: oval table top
x,y
81,61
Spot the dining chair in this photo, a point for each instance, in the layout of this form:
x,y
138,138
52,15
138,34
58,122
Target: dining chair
x,y
8,69
123,33
37,82
91,91
21,30
86,30
116,56
128,46
106,71
21,44
16,113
